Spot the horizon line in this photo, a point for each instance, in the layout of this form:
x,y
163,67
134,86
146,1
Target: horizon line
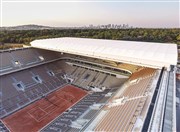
x,y
87,26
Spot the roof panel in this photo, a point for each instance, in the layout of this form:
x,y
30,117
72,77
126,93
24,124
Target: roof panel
x,y
140,53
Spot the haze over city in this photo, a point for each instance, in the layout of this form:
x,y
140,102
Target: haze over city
x,y
157,14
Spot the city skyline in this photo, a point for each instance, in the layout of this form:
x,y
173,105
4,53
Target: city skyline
x,y
69,14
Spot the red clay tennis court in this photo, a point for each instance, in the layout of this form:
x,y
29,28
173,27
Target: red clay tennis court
x,y
40,113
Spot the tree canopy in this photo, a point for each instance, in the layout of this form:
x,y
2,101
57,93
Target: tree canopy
x,y
136,34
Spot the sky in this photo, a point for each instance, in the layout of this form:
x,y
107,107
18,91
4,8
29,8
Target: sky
x,y
149,14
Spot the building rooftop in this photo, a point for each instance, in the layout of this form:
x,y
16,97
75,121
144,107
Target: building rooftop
x,y
155,55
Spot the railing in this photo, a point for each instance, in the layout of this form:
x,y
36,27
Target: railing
x,y
151,107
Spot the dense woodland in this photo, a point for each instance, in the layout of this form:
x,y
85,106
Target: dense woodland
x,y
9,45
136,34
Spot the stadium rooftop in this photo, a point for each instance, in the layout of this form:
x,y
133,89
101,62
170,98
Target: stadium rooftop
x,y
79,92
155,55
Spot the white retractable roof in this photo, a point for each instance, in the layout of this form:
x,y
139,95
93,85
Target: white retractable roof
x,y
148,54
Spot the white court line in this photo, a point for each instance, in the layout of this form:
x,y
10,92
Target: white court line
x,y
33,117
46,113
42,110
